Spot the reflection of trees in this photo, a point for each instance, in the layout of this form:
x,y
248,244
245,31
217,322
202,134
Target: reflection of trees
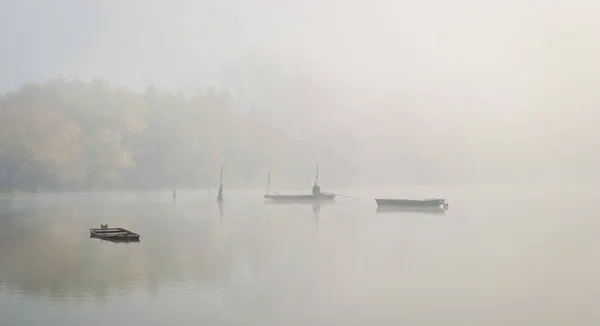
x,y
183,247
51,253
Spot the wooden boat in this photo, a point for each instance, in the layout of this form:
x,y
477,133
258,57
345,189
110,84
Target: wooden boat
x,y
300,198
302,202
314,197
114,234
411,209
431,202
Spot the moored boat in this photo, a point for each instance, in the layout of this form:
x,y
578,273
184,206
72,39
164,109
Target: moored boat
x,y
431,202
316,196
114,234
300,198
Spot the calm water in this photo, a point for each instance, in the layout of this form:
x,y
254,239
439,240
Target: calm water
x,y
496,257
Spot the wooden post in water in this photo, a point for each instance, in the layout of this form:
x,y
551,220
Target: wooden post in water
x,y
220,194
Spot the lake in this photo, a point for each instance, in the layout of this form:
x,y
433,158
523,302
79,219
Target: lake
x,y
497,256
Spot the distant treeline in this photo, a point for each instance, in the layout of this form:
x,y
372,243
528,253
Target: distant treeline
x,y
81,135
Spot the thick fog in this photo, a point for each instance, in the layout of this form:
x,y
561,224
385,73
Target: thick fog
x,y
387,92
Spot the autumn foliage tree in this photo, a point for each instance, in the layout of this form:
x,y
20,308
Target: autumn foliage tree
x,y
74,134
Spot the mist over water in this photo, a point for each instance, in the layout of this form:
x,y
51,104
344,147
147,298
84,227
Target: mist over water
x,y
107,107
497,258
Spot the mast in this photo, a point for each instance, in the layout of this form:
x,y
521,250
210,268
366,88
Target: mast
x,y
317,178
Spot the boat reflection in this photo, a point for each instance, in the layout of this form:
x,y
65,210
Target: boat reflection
x,y
316,208
409,209
116,240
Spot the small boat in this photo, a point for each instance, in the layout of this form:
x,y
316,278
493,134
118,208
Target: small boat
x,y
303,202
316,196
431,202
300,198
114,234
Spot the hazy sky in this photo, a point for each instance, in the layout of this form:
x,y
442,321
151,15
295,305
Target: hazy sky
x,y
376,44
491,80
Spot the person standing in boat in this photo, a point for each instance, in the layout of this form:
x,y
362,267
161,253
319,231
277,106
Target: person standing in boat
x,y
316,190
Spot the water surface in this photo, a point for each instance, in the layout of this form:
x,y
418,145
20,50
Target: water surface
x,y
509,257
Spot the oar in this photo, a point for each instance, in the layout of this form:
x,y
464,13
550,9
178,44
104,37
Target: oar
x,y
344,196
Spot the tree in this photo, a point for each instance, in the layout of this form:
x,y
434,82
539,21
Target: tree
x,y
34,133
